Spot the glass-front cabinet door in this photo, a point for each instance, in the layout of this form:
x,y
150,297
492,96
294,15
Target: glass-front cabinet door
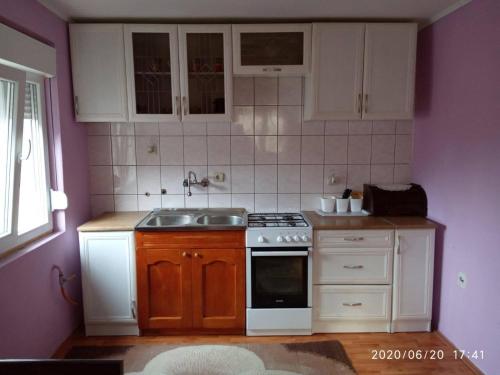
x,y
279,49
152,72
206,72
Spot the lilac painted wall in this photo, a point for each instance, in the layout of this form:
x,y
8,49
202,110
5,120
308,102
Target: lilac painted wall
x,y
457,160
34,319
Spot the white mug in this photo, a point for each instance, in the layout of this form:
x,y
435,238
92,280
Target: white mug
x,y
327,204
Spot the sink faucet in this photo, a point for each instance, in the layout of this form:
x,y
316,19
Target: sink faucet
x,y
194,181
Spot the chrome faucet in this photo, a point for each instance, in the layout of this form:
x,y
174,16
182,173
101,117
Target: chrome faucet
x,y
188,182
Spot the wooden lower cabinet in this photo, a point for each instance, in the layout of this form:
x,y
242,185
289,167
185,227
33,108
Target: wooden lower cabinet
x,y
184,288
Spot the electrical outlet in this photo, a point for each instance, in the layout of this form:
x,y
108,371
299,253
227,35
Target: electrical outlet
x,y
462,280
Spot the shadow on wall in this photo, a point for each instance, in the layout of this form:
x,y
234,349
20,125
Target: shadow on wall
x,y
438,268
424,74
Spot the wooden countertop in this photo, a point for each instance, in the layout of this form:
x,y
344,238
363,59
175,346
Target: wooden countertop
x,y
113,222
367,222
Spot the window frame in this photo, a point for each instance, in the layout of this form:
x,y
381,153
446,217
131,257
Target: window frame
x,y
13,240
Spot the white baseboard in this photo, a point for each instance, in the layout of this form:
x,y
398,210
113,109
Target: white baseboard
x,y
111,330
345,326
411,326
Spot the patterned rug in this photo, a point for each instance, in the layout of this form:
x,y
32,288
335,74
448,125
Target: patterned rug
x,y
310,358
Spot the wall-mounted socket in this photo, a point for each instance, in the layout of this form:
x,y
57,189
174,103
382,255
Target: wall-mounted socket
x,y
462,280
220,176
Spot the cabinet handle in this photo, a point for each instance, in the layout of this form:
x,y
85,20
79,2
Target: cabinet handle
x,y
398,244
196,255
271,69
365,106
352,239
184,105
77,107
360,99
185,254
132,309
178,105
353,267
352,304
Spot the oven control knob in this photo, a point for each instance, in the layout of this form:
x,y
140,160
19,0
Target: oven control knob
x,y
279,238
288,239
305,238
261,239
296,238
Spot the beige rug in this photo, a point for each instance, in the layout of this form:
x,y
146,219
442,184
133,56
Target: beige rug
x,y
313,358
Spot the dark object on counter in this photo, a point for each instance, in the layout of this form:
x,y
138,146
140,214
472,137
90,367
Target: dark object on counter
x,y
381,202
346,194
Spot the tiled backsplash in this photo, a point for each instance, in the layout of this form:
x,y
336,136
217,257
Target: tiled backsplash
x,y
271,158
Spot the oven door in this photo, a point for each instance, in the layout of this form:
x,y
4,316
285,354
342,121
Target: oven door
x,y
279,277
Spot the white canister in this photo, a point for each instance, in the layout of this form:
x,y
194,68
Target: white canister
x,y
356,204
342,205
327,204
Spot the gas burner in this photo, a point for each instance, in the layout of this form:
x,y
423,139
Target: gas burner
x,y
265,220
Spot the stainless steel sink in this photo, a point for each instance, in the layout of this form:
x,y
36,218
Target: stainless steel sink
x,y
194,219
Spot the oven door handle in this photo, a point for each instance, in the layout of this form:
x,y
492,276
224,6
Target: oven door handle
x,y
280,253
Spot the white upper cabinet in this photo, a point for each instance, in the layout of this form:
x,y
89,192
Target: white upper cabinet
x,y
206,73
152,72
413,280
334,88
265,49
98,64
389,72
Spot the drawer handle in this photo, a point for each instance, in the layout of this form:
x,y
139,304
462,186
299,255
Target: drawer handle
x,y
271,69
185,254
352,304
196,255
353,239
353,267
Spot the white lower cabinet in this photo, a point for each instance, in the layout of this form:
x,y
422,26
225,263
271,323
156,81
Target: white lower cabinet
x,y
413,280
109,283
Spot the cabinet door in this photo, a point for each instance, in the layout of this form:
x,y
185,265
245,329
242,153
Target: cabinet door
x,y
413,275
108,276
279,49
152,72
164,288
206,72
334,88
98,65
389,71
219,289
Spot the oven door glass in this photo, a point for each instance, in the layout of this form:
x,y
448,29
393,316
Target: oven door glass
x,y
279,281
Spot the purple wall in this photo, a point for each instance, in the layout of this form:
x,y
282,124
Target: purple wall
x,y
34,319
457,160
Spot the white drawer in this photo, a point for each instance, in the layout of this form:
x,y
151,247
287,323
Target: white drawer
x,y
354,238
357,302
352,266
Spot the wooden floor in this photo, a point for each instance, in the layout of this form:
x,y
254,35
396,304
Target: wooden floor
x,y
358,346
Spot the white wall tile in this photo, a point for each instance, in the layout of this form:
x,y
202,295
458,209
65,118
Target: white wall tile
x,y
357,175
288,202
146,128
99,148
289,120
266,91
336,149
172,201
266,149
359,149
311,178
288,178
383,149
123,150
122,128
98,128
242,179
246,201
194,128
219,150
310,202
171,150
402,174
242,149
197,201
290,90
101,179
125,179
219,200
340,183
126,203
195,150
101,203
172,178
170,128
266,120
146,203
336,128
243,91
266,179
404,127
382,174
289,149
404,148
360,127
148,179
266,202
384,127
243,120
201,172
313,128
147,150
313,149
219,187
218,128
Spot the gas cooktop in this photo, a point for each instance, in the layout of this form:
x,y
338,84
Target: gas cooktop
x,y
270,220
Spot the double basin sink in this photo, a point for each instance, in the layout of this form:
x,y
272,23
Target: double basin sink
x,y
194,219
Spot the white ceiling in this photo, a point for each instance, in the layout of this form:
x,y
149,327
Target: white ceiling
x,y
420,10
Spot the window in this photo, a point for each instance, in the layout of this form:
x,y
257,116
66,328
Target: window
x,y
24,173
